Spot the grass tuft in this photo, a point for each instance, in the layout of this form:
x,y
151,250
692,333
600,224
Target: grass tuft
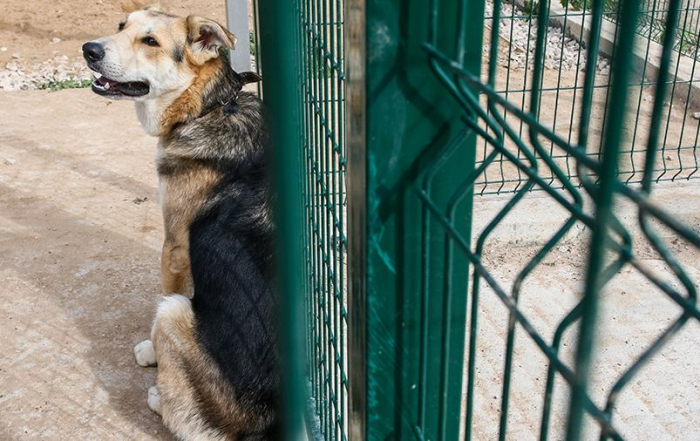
x,y
71,83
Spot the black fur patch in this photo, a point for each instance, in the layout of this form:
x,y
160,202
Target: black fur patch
x,y
231,108
179,54
231,252
234,304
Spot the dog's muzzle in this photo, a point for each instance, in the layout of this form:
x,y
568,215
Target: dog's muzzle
x,y
94,54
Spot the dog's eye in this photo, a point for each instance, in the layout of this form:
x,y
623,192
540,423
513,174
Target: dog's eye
x,y
122,25
150,41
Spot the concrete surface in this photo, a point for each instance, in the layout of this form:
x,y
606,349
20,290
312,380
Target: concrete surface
x,y
80,234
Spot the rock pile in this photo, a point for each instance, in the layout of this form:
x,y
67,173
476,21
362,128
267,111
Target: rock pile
x,y
562,51
19,74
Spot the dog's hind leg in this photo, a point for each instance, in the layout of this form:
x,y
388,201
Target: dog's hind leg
x,y
174,269
177,350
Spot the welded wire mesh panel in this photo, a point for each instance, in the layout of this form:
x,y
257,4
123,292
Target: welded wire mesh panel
x,y
321,114
566,29
586,169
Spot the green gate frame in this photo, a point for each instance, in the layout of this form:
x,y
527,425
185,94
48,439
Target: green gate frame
x,y
407,148
413,118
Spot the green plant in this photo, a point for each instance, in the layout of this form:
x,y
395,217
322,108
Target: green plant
x,y
688,42
530,7
251,39
610,7
70,83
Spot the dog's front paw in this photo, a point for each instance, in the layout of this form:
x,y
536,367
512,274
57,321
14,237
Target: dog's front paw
x,y
154,400
145,354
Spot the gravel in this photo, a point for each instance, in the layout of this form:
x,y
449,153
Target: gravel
x,y
18,74
562,51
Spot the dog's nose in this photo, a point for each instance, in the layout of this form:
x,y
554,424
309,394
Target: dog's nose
x,y
93,51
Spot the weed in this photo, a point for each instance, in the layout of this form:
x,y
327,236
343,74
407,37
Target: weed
x,y
70,83
531,7
251,39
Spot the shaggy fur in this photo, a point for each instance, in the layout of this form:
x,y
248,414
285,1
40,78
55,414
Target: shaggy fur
x,y
218,375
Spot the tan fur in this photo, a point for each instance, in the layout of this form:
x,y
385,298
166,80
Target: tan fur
x,y
189,104
181,393
184,197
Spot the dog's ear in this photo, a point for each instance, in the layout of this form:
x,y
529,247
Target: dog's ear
x,y
249,77
130,6
206,37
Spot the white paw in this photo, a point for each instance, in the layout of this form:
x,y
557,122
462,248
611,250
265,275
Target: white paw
x,y
154,400
145,354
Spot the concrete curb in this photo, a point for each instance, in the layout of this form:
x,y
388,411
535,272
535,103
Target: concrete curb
x,y
686,76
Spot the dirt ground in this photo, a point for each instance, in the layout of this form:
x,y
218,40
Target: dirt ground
x,y
660,401
28,29
80,237
80,234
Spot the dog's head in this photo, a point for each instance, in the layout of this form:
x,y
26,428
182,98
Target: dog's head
x,y
154,54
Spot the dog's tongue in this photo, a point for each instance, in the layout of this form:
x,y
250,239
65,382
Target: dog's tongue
x,y
106,82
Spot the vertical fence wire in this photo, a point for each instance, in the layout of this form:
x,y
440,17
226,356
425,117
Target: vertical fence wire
x,y
517,132
321,112
567,35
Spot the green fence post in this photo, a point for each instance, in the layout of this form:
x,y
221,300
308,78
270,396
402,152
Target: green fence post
x,y
415,152
280,64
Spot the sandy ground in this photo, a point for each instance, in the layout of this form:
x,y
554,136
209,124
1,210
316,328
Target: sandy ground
x,y
80,234
660,401
28,29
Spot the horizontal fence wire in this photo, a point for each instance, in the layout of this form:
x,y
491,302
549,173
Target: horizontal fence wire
x,y
321,115
567,147
567,35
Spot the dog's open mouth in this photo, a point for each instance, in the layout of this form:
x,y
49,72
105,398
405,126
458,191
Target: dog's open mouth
x,y
104,86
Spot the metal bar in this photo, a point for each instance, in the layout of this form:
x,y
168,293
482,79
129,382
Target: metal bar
x,y
355,117
237,23
277,28
604,205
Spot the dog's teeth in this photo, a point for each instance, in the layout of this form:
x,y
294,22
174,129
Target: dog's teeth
x,y
98,75
106,86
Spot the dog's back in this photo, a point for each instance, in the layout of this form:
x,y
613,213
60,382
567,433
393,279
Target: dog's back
x,y
233,303
217,355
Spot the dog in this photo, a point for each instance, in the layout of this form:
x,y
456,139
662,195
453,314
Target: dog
x,y
217,357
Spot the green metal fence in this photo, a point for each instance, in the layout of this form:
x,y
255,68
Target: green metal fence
x,y
562,84
318,86
384,150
